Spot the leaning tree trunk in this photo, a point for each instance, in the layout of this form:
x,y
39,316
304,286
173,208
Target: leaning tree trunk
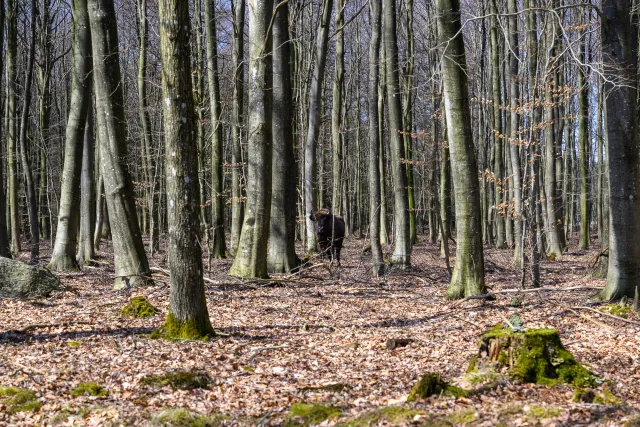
x,y
131,264
188,317
468,274
313,128
251,257
12,116
237,167
619,51
402,244
375,198
64,250
5,250
217,192
282,257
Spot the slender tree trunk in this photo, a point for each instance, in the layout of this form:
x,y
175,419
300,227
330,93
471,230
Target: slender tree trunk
x,y
407,116
402,244
336,113
5,250
64,251
12,115
583,143
468,274
375,199
384,234
86,251
251,257
131,264
237,203
217,192
619,50
188,317
313,129
282,257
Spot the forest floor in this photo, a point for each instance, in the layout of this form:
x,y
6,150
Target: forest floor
x,y
317,338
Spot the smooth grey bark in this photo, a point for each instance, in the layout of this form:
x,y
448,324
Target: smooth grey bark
x,y
219,249
313,128
407,116
402,242
336,113
131,264
86,249
281,257
64,250
251,257
375,198
583,146
188,316
5,250
12,118
468,274
237,203
619,51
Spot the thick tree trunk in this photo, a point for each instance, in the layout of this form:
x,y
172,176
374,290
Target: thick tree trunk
x,y
237,203
375,198
217,192
131,265
313,128
64,250
468,274
619,50
402,243
251,257
188,317
282,257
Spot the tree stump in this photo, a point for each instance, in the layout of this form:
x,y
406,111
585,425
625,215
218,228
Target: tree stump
x,y
20,280
533,356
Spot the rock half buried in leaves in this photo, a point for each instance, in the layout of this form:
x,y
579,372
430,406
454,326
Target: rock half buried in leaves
x,y
531,356
20,280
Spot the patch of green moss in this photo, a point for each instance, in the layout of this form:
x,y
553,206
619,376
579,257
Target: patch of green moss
x,y
539,357
617,310
542,412
583,395
465,416
607,398
73,343
309,414
179,380
181,417
395,415
89,389
473,365
139,307
510,409
174,329
431,384
18,399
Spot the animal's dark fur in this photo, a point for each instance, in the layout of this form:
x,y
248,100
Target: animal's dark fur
x,y
330,232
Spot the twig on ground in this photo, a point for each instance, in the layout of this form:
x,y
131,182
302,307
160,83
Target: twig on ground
x,y
604,313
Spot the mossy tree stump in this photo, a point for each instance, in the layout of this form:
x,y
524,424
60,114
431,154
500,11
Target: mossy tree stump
x,y
533,356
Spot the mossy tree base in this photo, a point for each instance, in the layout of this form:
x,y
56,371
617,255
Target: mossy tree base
x,y
534,356
174,329
431,384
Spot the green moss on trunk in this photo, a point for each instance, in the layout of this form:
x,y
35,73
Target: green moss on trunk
x,y
533,356
174,329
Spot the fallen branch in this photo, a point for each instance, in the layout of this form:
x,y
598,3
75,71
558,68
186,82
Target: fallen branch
x,y
590,319
613,316
256,351
527,291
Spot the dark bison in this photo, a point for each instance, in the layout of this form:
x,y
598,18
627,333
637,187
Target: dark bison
x,y
330,232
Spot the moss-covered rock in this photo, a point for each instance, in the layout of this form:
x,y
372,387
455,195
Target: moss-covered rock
x,y
179,380
181,417
18,399
139,307
431,384
533,356
309,414
394,415
174,329
89,389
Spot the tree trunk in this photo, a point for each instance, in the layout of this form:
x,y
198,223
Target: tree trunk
x,y
5,250
12,113
86,250
217,192
282,257
64,251
583,146
336,113
468,274
407,117
188,317
402,245
375,198
131,265
251,257
237,203
619,50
